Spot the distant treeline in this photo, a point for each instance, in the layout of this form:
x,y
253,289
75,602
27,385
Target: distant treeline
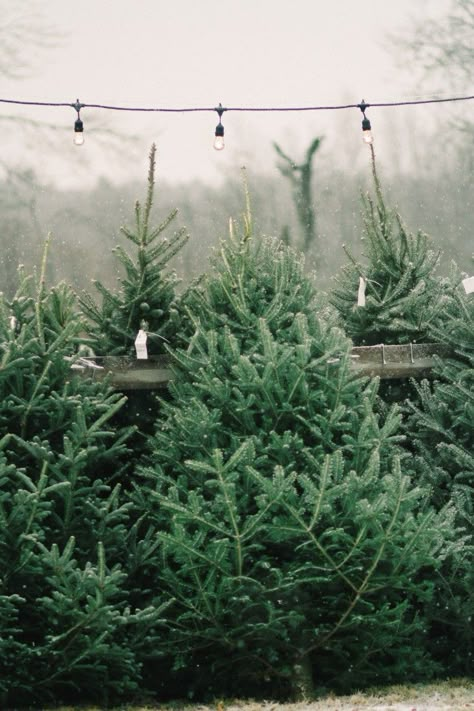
x,y
85,224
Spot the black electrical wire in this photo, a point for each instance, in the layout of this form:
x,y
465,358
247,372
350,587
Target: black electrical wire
x,y
336,107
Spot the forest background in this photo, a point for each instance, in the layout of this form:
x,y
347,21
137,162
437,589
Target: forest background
x,y
425,160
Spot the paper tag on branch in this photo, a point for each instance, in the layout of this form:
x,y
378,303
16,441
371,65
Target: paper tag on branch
x,y
468,285
361,292
140,345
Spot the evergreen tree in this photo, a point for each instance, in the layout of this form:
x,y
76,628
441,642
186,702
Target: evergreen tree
x,y
291,534
443,419
401,294
146,301
146,298
71,618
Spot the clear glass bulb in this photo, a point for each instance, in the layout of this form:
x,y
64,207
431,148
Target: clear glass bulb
x,y
219,143
367,136
78,138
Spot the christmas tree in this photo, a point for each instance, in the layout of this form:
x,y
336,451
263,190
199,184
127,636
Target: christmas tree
x,y
145,306
146,298
442,418
70,620
393,296
291,534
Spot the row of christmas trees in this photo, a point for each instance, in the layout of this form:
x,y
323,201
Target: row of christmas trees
x,y
273,525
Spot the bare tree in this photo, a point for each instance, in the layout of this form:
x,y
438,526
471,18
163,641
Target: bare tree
x,y
300,176
444,47
442,51
26,35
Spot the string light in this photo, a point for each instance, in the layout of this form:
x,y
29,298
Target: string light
x,y
414,102
366,127
219,134
78,125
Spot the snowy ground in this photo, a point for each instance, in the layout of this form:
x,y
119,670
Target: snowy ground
x,y
455,695
404,699
430,698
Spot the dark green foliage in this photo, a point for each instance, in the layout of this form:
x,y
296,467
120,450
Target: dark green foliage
x,y
146,298
69,621
443,421
402,295
450,615
291,534
406,302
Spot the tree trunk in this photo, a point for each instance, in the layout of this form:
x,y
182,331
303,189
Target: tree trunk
x,y
302,680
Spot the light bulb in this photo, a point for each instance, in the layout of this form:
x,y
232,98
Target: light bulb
x,y
78,133
219,137
367,137
367,132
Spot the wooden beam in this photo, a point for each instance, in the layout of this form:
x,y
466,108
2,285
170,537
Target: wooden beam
x,y
127,373
413,360
406,361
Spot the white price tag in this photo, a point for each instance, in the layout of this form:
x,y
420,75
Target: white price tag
x,y
140,345
468,285
361,292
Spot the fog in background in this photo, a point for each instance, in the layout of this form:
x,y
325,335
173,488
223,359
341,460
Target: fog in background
x,y
251,53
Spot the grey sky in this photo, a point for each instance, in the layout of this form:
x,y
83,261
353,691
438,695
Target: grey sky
x,y
185,53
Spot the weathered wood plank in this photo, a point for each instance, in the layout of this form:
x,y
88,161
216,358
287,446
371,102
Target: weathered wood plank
x,y
127,373
414,360
388,362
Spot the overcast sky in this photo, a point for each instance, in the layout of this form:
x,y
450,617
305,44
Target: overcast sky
x,y
197,53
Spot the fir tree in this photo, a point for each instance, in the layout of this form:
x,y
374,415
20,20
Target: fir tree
x,y
443,419
290,536
71,618
146,298
400,289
